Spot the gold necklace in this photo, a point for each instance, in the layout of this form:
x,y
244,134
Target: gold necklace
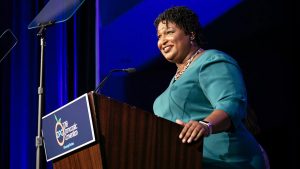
x,y
189,61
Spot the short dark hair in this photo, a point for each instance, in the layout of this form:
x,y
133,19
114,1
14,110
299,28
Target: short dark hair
x,y
185,19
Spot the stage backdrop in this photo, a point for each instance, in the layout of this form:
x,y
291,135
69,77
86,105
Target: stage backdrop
x,y
69,72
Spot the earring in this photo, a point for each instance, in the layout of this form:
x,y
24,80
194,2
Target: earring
x,y
192,40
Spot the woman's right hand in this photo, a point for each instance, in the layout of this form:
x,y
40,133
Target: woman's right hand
x,y
191,131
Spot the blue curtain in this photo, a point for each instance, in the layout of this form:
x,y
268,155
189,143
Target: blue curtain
x,y
69,72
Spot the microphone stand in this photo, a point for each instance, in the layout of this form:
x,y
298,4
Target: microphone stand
x,y
104,80
128,70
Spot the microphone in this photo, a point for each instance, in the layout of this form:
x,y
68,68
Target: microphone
x,y
128,70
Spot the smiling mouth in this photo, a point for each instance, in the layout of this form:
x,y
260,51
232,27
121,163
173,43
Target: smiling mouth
x,y
167,49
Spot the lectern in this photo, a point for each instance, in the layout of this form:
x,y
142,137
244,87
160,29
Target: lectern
x,y
130,138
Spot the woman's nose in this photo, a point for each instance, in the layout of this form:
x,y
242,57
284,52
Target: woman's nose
x,y
163,40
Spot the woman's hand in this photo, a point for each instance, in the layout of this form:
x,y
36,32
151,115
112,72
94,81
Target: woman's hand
x,y
191,131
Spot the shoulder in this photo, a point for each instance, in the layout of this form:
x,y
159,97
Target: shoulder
x,y
212,56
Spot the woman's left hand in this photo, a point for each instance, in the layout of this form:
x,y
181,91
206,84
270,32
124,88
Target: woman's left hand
x,y
191,131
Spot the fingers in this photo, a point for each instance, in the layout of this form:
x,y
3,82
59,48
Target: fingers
x,y
184,131
200,133
192,131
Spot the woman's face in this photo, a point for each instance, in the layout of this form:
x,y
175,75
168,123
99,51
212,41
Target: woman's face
x,y
173,43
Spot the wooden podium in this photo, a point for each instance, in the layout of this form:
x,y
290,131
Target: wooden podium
x,y
130,138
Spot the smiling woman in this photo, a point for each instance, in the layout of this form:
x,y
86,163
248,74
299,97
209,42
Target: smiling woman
x,y
207,95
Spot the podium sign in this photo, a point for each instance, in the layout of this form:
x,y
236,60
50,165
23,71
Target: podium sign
x,y
68,128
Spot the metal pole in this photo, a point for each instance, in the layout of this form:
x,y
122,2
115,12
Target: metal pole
x,y
39,139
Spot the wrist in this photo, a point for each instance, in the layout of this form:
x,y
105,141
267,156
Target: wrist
x,y
209,127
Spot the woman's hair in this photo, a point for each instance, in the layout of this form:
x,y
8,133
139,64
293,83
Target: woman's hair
x,y
185,19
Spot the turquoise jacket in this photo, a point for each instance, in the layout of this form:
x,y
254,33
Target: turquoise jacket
x,y
213,81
